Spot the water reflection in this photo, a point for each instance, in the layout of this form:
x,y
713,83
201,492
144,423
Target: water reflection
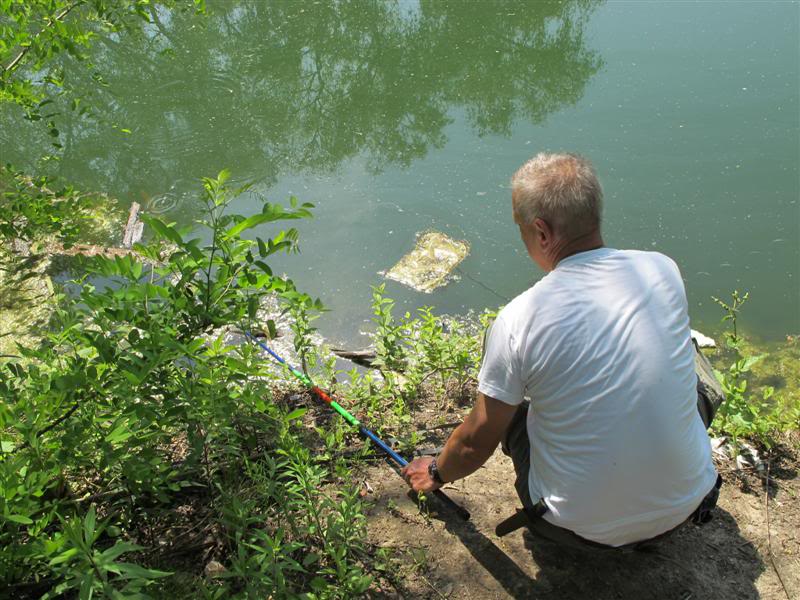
x,y
274,88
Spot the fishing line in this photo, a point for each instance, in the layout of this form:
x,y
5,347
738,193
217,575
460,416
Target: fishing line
x,y
483,285
366,433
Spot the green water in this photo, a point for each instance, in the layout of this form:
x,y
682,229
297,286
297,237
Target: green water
x,y
396,118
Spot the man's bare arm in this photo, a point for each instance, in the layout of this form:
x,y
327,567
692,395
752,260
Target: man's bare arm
x,y
468,447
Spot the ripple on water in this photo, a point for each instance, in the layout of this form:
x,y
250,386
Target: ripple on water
x,y
161,203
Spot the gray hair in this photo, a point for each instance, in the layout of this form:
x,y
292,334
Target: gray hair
x,y
561,189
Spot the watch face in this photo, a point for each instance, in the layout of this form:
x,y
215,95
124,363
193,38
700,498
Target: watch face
x,y
433,471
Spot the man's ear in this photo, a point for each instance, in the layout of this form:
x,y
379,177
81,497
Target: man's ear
x,y
543,231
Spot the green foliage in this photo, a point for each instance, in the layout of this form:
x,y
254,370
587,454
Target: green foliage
x,y
36,37
423,356
283,531
303,311
134,399
82,567
450,355
745,414
30,210
33,33
388,338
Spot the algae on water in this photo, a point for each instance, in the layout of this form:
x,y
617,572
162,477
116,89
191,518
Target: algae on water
x,y
429,264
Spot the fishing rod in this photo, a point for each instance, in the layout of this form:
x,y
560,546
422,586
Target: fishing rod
x,y
366,433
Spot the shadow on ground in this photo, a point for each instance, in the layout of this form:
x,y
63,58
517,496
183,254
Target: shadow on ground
x,y
464,559
714,561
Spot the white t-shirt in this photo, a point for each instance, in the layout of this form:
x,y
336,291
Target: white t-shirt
x,y
602,348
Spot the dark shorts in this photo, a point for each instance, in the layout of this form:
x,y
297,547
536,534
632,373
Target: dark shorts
x,y
517,446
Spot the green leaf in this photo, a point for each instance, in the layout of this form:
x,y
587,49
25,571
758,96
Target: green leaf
x,y
63,557
89,523
296,414
163,230
87,586
118,550
318,584
264,267
252,307
748,362
22,520
134,571
251,222
120,434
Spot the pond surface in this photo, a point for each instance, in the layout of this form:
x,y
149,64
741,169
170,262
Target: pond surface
x,y
398,118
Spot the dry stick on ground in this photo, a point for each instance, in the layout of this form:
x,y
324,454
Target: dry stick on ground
x,y
430,585
769,535
443,426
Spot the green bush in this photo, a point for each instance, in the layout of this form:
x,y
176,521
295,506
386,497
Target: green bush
x,y
745,414
134,400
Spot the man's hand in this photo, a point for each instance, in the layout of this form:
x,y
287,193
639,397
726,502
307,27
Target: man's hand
x,y
467,448
416,475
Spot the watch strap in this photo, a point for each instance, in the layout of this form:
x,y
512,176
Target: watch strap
x,y
433,471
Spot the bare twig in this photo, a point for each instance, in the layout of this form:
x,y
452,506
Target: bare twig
x,y
443,426
50,427
769,534
430,585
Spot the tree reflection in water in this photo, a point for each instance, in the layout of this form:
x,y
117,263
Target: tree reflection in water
x,y
275,88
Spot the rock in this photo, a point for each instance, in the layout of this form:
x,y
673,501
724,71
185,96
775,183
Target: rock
x,y
214,569
703,340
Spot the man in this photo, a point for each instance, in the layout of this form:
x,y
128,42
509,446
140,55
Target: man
x,y
611,449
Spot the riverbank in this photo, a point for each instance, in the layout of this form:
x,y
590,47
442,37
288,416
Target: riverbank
x,y
197,453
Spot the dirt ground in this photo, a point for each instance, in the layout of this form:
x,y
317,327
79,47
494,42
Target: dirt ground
x,y
437,555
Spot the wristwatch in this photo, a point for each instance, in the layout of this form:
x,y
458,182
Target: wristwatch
x,y
433,471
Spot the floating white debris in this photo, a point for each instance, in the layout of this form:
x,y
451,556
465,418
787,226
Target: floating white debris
x,y
428,265
703,340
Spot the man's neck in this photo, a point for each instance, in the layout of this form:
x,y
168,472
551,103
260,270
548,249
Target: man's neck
x,y
588,241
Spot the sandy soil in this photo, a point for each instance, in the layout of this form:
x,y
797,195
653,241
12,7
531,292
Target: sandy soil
x,y
439,556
